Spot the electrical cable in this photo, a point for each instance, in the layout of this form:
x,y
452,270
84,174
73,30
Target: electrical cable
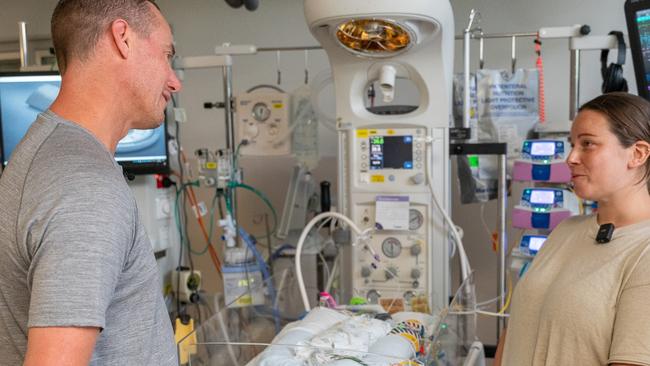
x,y
180,252
509,296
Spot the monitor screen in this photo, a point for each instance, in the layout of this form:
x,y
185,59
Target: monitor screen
x,y
637,16
542,149
391,152
542,196
24,95
535,243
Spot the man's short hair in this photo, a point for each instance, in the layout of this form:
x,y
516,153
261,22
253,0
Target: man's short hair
x,y
77,25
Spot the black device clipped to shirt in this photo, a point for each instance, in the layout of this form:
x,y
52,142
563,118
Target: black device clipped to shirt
x,y
605,232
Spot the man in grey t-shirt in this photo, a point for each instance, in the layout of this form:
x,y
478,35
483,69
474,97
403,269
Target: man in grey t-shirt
x,y
79,282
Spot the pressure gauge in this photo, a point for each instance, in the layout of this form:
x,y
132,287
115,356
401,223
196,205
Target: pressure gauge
x,y
415,219
261,112
391,247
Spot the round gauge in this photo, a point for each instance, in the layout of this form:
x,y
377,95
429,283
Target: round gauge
x,y
261,112
415,219
373,296
391,247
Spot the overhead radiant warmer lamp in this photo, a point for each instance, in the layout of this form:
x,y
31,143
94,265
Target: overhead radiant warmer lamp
x,y
385,160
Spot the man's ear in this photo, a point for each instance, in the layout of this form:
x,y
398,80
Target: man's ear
x,y
641,154
121,37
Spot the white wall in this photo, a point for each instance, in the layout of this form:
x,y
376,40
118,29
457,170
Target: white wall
x,y
199,25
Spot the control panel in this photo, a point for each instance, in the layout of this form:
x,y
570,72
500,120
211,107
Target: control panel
x,y
390,156
542,161
402,264
531,244
263,120
544,208
392,265
523,255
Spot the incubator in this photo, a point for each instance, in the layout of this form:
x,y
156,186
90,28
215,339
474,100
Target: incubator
x,y
335,337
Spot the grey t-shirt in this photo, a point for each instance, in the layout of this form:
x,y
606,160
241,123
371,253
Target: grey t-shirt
x,y
73,252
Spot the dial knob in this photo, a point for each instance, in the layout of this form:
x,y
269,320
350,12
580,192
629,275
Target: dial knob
x,y
416,273
416,249
409,295
365,271
390,273
417,178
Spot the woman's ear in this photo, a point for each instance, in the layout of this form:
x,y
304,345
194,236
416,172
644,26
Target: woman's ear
x,y
640,154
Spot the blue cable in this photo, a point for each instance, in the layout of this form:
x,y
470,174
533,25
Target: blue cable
x,y
276,254
250,242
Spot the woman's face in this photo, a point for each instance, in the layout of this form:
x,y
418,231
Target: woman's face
x,y
600,165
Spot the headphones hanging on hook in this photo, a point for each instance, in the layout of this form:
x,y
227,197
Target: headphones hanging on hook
x,y
249,4
613,79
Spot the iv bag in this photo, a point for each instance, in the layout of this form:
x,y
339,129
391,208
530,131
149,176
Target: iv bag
x,y
305,129
506,106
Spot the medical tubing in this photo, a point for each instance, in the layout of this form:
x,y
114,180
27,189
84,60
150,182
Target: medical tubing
x,y
263,197
213,252
212,209
224,331
177,219
335,268
465,267
250,243
301,242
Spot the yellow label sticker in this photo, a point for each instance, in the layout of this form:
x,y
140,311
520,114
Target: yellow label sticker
x,y
390,132
377,179
245,300
211,165
278,105
361,134
373,132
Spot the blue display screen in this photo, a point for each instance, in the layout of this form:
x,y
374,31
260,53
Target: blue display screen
x,y
531,244
24,96
391,152
643,26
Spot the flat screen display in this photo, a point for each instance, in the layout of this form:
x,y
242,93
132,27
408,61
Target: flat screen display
x,y
542,197
391,152
542,148
637,17
24,95
535,243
